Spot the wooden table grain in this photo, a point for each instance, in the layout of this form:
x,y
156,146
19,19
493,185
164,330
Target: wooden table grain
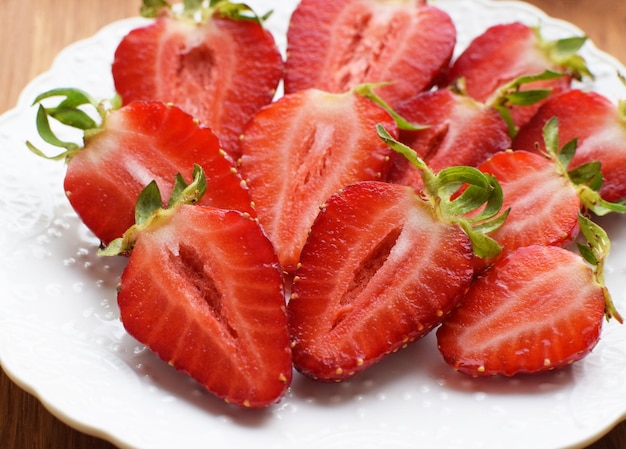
x,y
32,32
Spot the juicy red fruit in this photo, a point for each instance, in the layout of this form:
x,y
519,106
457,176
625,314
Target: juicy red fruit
x,y
221,72
303,148
378,271
335,46
203,289
501,54
457,130
544,205
537,309
141,142
599,127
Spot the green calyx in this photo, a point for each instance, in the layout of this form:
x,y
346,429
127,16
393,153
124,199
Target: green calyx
x,y
71,111
595,251
587,178
511,94
149,210
457,191
200,11
367,90
565,53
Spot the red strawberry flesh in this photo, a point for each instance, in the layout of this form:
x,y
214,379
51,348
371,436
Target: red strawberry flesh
x,y
378,271
536,309
205,292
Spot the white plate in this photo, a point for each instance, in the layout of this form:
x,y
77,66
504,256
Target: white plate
x,y
60,337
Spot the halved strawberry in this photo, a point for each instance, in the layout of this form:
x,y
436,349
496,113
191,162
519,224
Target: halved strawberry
x,y
217,63
382,267
133,145
508,51
301,149
544,197
599,128
456,130
543,203
203,289
335,46
539,308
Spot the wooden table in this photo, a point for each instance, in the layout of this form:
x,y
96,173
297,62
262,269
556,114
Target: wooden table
x,y
33,31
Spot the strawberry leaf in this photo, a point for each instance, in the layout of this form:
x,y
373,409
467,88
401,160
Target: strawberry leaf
x,y
152,8
237,11
511,95
565,53
148,202
595,252
67,112
188,193
46,133
588,174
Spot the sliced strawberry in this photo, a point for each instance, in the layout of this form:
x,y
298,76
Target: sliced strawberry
x,y
335,46
508,51
220,69
135,144
537,309
348,307
456,130
302,149
543,204
203,289
599,127
382,267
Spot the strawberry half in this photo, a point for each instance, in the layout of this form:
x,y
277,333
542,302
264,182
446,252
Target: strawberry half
x,y
335,46
508,51
217,63
527,181
455,130
133,145
382,267
300,150
599,128
537,309
203,289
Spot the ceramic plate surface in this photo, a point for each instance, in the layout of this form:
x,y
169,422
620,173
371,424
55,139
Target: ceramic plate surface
x,y
61,338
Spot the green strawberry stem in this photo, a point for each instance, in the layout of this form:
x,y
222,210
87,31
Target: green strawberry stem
x,y
200,11
455,191
565,53
149,210
511,95
70,111
587,178
596,251
367,91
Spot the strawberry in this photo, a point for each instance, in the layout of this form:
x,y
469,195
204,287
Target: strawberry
x,y
203,289
132,145
303,148
335,46
216,62
381,268
599,128
508,51
528,180
456,130
538,308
